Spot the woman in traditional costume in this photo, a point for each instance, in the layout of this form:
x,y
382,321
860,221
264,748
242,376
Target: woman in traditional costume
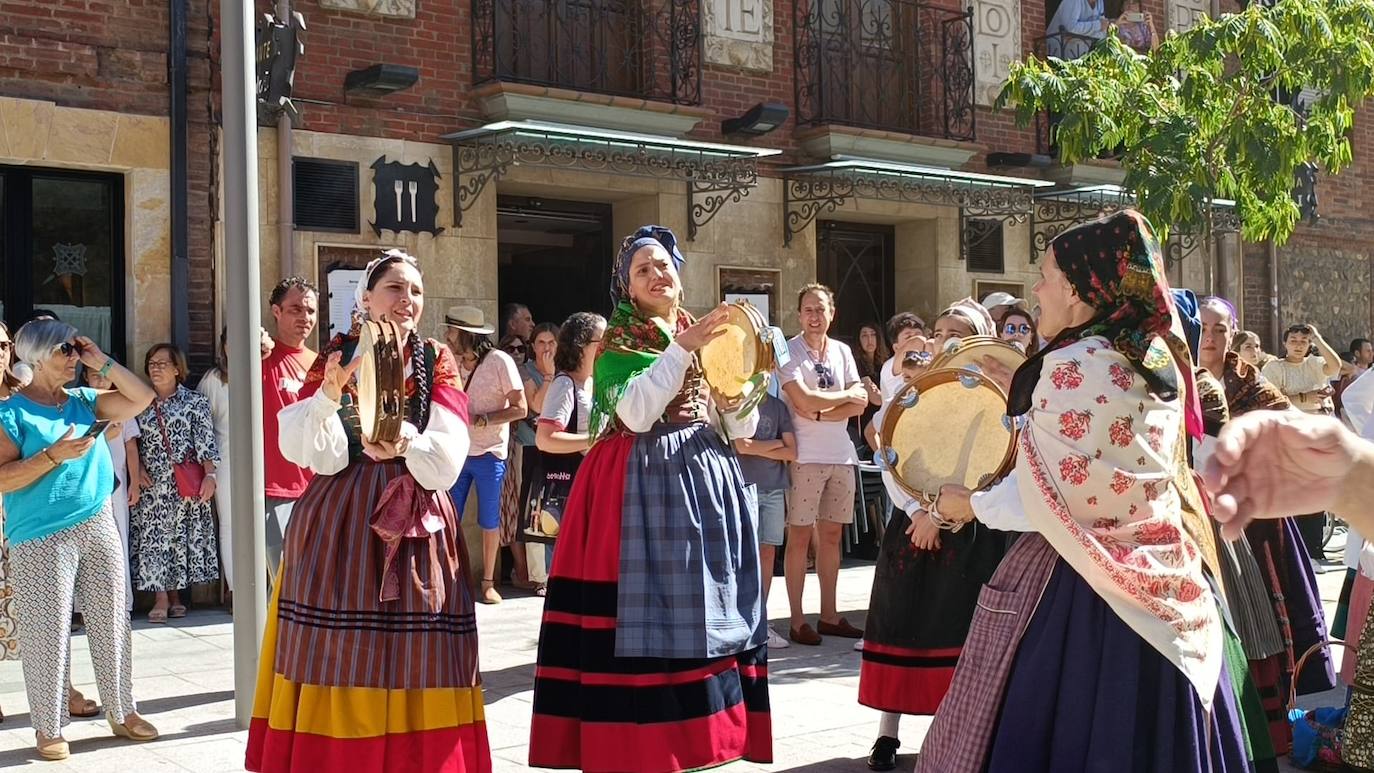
x,y
652,652
1098,644
1292,618
925,586
369,659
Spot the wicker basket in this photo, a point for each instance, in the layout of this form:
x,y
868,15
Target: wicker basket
x,y
1319,766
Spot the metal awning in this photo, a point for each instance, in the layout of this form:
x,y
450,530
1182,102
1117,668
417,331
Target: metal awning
x,y
715,174
810,190
1063,208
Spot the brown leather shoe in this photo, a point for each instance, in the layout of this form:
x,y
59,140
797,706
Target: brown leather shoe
x,y
805,635
842,629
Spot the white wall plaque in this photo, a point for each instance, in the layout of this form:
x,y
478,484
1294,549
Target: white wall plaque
x,y
1183,14
398,9
996,44
738,33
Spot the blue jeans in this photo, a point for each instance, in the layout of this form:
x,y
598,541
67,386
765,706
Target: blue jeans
x,y
487,472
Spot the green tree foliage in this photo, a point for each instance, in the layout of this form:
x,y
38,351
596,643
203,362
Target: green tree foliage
x,y
1198,118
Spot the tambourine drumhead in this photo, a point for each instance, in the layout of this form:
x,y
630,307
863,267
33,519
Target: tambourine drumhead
x,y
971,350
381,381
730,361
947,426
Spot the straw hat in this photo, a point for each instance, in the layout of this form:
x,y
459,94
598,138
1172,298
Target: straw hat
x,y
469,318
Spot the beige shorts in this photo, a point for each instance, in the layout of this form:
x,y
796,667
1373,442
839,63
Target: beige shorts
x,y
821,492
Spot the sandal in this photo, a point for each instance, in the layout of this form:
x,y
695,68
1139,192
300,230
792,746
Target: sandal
x,y
490,596
135,729
80,706
541,589
53,749
176,611
157,616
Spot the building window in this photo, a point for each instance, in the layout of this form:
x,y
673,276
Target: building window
x,y
983,245
62,249
325,195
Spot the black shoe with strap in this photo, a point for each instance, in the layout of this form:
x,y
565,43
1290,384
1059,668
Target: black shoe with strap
x,y
884,754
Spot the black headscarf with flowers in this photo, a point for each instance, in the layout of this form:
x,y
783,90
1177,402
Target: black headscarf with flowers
x,y
1115,266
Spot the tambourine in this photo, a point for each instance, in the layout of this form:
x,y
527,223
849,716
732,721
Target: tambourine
x,y
970,351
736,365
947,426
381,380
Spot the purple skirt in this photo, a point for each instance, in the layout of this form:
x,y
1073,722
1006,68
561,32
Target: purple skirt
x,y
1087,693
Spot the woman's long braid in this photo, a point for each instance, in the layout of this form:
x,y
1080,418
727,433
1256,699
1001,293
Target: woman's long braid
x,y
419,400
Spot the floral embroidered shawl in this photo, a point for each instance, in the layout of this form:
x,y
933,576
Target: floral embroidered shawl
x,y
630,345
1099,474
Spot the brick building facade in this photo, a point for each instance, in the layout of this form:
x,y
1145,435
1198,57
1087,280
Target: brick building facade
x,y
868,183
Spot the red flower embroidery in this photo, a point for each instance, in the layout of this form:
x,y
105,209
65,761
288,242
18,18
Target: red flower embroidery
x,y
1074,469
1044,403
1156,533
1189,591
1105,523
1067,376
1120,482
1140,461
1122,376
1101,399
1133,510
1092,501
1151,490
1074,425
1155,437
1121,431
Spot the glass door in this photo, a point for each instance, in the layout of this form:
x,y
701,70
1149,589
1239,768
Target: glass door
x,y
62,250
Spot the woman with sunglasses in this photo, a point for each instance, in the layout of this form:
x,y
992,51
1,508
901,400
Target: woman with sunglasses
x,y
925,585
57,478
1017,327
654,599
515,346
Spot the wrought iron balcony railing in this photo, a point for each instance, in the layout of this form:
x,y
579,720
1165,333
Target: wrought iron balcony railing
x,y
895,65
648,49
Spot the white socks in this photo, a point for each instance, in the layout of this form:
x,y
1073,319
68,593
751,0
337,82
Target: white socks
x,y
887,724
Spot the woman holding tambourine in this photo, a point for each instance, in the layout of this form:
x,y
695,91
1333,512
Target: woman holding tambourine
x,y
926,582
370,654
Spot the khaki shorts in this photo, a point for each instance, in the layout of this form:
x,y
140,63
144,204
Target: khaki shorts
x,y
821,492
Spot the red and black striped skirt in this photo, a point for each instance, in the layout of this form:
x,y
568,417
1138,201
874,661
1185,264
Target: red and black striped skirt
x,y
597,712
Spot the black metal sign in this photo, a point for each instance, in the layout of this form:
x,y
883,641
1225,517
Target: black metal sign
x,y
404,197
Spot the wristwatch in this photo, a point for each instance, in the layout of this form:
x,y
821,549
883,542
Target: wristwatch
x,y
481,420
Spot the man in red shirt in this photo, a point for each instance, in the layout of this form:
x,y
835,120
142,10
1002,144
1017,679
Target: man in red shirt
x,y
295,307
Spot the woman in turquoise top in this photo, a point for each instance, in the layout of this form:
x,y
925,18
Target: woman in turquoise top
x,y
57,478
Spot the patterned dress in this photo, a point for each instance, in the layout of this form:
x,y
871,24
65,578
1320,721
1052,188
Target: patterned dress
x,y
9,625
172,542
369,657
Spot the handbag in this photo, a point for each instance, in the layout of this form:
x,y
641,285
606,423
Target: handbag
x,y
189,474
548,496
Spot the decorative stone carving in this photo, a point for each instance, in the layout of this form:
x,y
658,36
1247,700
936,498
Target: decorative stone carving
x,y
738,33
996,43
396,9
1183,14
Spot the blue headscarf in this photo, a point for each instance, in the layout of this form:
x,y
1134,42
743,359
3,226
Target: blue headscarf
x,y
646,236
1188,314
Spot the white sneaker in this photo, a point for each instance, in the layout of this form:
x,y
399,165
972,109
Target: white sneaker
x,y
776,642
859,645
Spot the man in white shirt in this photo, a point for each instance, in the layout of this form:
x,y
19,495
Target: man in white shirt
x,y
822,389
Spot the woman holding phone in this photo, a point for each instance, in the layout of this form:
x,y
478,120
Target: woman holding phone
x,y
56,476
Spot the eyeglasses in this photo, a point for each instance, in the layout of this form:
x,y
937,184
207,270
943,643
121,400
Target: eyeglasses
x,y
824,378
67,348
1013,329
159,364
514,348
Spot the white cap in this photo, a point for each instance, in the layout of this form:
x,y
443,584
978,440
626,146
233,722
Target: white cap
x,y
1002,299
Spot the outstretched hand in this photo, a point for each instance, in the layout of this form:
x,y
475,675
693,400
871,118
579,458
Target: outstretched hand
x,y
337,376
1272,464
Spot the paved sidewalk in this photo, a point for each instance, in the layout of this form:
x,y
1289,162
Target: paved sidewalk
x,y
183,679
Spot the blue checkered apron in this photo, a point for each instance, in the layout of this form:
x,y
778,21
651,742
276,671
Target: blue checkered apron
x,y
689,556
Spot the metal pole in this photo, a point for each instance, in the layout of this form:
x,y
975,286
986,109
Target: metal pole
x,y
180,188
286,182
245,367
1275,319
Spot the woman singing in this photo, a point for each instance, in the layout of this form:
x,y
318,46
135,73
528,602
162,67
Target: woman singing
x,y
1098,643
369,660
651,654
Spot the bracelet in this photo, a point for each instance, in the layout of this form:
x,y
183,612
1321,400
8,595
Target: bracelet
x,y
818,415
107,367
933,512
51,459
